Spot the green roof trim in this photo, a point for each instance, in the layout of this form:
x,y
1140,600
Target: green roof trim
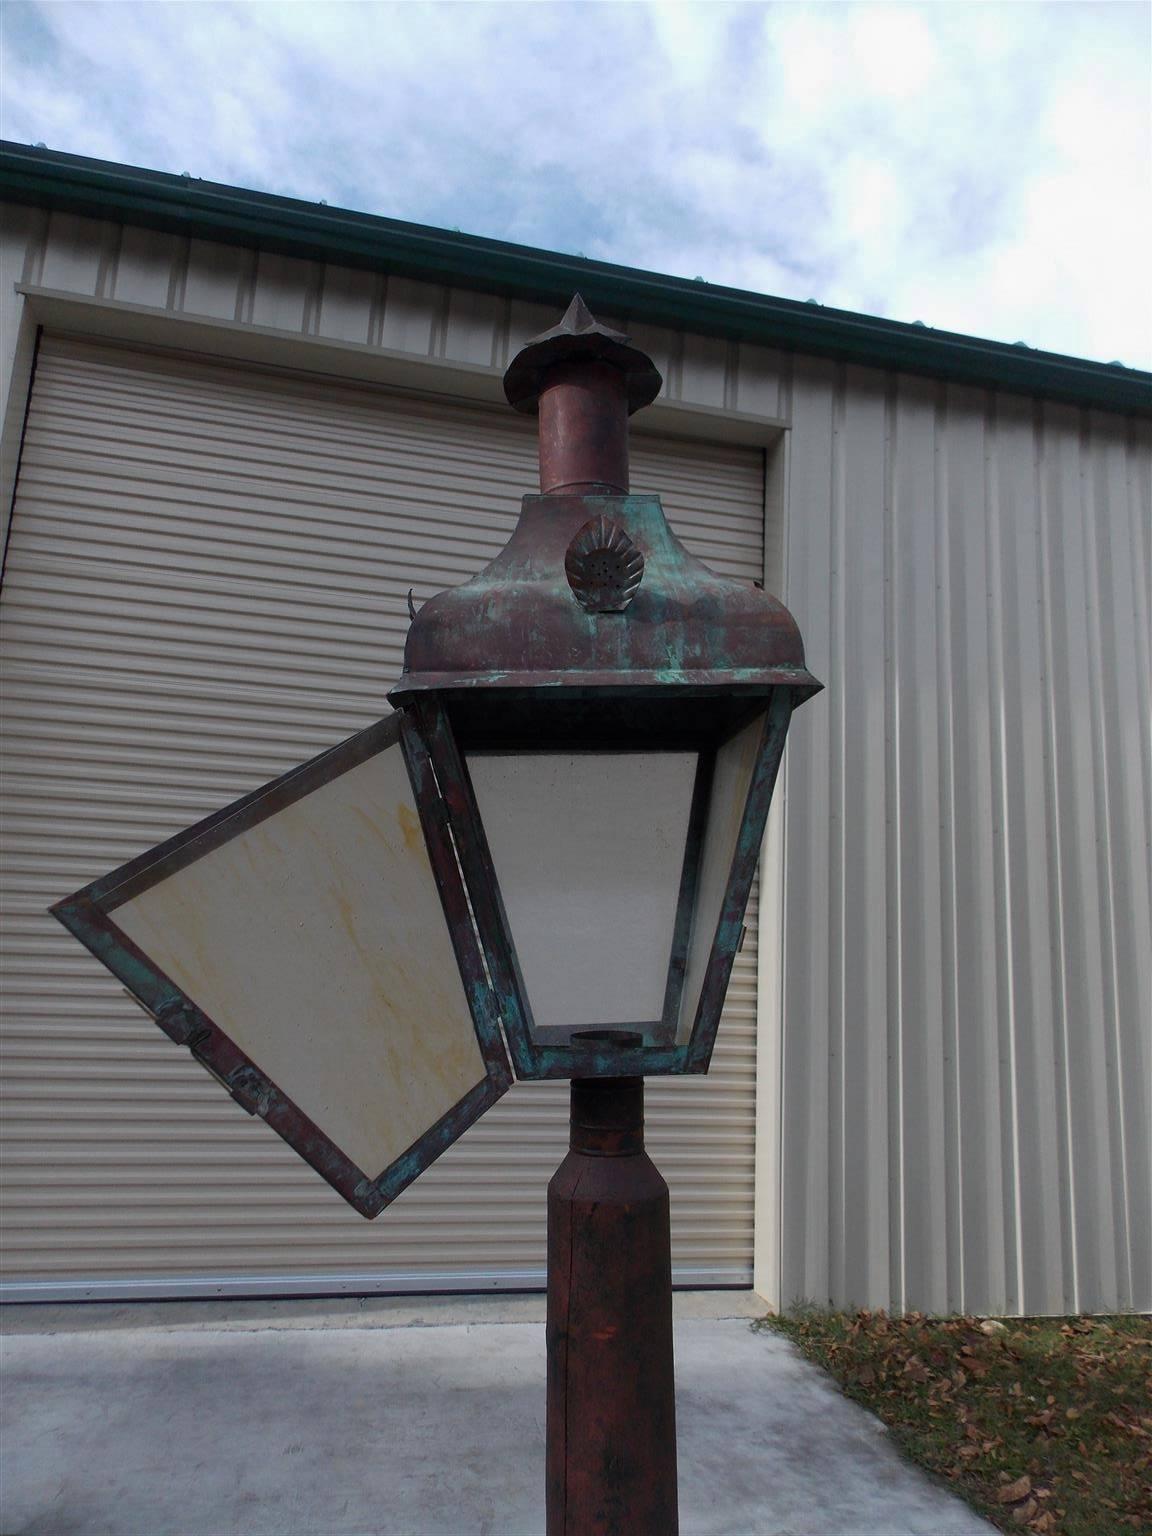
x,y
209,211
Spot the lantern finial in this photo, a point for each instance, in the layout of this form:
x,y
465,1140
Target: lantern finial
x,y
579,337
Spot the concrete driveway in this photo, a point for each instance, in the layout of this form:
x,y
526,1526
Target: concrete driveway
x,y
395,1417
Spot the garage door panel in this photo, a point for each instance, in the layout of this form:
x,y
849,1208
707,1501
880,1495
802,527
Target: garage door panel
x,y
207,584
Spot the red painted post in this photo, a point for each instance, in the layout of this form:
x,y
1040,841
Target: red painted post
x,y
611,1387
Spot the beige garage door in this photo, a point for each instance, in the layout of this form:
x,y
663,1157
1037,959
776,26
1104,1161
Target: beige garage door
x,y
205,584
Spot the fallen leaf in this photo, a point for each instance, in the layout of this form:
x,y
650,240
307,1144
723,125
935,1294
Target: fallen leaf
x,y
1024,1512
1012,1493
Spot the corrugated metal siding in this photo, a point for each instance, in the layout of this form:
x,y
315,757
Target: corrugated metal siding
x,y
966,916
968,941
201,279
207,583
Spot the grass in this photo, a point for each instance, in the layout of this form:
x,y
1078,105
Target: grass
x,y
1043,1425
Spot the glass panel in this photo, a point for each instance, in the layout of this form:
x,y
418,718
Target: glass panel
x,y
317,941
588,849
731,780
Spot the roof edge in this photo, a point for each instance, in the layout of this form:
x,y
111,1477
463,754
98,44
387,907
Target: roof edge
x,y
289,226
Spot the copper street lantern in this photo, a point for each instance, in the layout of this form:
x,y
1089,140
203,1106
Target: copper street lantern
x,y
605,717
537,867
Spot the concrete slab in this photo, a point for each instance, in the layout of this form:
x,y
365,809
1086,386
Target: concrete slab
x,y
332,1312
295,1424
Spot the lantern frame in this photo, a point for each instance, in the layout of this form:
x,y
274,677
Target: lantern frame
x,y
560,1052
673,656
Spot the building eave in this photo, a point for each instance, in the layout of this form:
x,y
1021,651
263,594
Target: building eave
x,y
210,211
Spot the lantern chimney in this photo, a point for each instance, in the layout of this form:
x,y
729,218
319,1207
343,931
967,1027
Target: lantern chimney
x,y
583,380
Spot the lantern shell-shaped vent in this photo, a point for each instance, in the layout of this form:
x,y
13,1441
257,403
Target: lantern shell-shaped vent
x,y
603,566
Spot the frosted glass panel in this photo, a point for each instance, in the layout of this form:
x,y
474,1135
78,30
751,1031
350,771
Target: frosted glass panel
x,y
731,780
589,849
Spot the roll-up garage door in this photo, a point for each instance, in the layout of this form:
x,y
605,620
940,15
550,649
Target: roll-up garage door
x,y
206,583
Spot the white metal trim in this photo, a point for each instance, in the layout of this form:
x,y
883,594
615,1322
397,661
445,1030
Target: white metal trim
x,y
117,322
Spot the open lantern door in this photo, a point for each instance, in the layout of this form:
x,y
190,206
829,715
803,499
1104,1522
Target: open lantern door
x,y
312,946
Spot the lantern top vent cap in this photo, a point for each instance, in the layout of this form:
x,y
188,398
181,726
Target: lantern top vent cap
x,y
579,337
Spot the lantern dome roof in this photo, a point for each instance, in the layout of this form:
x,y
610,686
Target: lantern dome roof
x,y
594,591
599,591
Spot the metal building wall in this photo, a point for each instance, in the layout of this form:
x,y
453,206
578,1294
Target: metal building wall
x,y
954,1105
967,1001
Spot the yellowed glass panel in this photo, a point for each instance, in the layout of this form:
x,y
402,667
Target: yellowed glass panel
x,y
317,941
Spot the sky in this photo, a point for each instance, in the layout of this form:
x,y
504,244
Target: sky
x,y
979,167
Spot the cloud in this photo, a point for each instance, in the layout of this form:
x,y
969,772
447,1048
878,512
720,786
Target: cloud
x,y
981,167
